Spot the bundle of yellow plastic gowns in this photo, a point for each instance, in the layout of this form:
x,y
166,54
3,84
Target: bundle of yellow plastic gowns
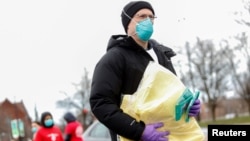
x,y
155,101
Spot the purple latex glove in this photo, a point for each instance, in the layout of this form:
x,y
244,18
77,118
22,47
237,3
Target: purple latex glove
x,y
195,109
150,133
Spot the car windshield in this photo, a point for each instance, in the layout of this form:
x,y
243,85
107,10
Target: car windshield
x,y
99,131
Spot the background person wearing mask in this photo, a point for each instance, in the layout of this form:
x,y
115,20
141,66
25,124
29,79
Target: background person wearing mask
x,y
48,131
121,69
74,129
35,127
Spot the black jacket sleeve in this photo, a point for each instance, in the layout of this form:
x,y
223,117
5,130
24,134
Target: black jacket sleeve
x,y
67,137
105,97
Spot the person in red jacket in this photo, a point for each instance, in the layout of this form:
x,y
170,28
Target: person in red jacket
x,y
74,129
35,127
48,131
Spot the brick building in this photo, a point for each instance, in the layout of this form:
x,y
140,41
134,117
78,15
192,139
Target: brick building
x,y
227,108
15,122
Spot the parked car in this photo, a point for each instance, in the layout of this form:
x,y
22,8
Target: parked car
x,y
96,132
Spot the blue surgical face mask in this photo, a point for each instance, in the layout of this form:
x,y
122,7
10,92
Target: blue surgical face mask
x,y
48,122
144,29
34,129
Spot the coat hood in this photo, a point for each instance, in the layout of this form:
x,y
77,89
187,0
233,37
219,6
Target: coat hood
x,y
117,40
43,116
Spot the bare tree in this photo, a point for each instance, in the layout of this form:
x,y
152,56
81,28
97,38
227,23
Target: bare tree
x,y
82,94
79,101
239,59
242,14
187,75
241,78
208,72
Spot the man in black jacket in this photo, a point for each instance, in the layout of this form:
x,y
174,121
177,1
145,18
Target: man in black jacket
x,y
120,70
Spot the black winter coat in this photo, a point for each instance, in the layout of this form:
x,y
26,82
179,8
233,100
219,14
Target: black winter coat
x,y
119,72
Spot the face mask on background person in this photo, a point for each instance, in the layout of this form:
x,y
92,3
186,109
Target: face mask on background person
x,y
48,122
144,29
34,129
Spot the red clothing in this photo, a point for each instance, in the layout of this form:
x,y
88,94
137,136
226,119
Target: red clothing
x,y
74,129
49,134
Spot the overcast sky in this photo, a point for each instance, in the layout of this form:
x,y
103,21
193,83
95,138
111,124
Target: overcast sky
x,y
45,45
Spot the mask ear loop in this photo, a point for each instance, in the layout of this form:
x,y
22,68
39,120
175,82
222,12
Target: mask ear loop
x,y
126,14
130,19
129,16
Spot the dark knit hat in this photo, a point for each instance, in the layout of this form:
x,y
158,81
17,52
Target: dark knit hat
x,y
131,8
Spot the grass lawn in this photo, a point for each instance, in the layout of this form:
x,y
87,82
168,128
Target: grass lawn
x,y
237,120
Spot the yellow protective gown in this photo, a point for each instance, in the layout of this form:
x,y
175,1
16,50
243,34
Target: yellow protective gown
x,y
155,100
